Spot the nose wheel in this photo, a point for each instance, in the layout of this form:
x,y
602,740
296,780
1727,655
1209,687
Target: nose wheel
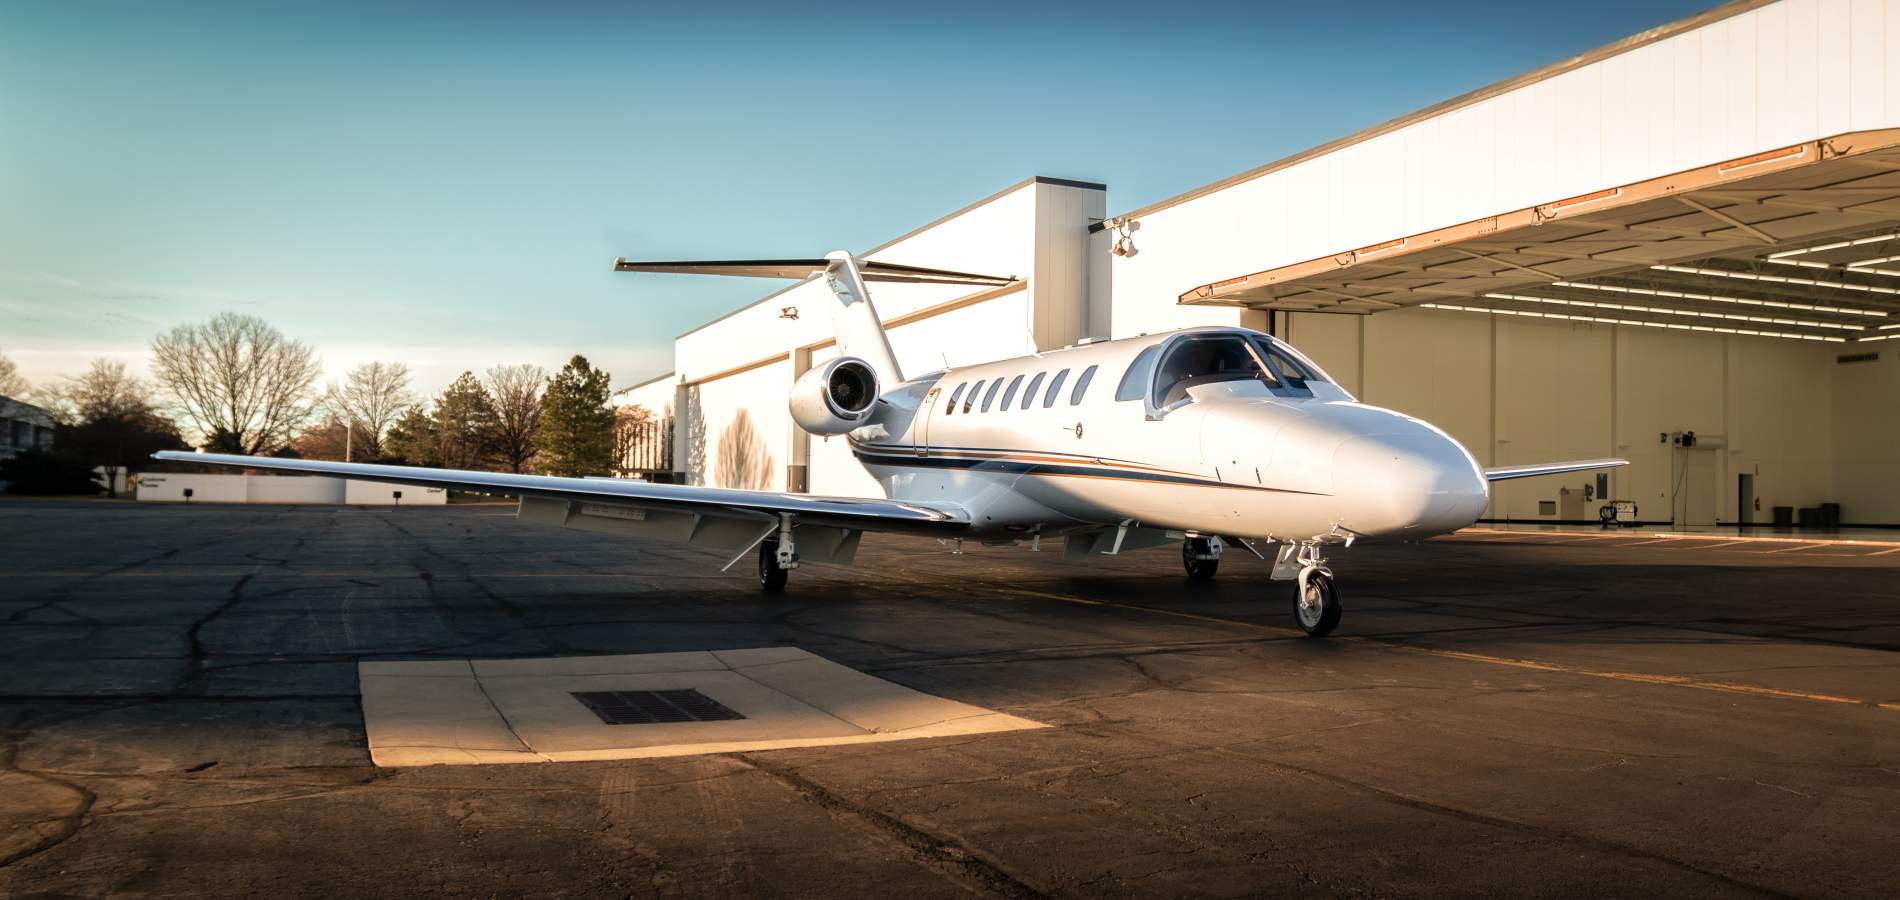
x,y
1316,606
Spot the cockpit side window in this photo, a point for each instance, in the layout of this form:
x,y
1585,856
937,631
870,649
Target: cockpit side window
x,y
970,399
1055,389
953,398
1135,380
1194,361
1029,393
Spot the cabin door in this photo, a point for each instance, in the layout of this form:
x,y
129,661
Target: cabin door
x,y
923,421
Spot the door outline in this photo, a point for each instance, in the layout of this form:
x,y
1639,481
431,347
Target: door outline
x,y
923,430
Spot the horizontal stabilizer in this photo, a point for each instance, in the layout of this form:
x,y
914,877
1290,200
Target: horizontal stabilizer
x,y
1506,473
805,268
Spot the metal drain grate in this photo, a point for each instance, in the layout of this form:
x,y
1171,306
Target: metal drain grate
x,y
654,707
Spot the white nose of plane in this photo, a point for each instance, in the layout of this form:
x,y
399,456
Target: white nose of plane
x,y
1411,482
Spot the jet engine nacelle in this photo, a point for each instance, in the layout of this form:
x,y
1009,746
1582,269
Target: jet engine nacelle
x,y
835,397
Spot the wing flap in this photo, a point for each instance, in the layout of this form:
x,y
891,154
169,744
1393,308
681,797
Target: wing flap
x,y
1506,473
856,512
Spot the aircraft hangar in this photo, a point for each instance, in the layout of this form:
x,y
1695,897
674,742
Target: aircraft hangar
x,y
1682,248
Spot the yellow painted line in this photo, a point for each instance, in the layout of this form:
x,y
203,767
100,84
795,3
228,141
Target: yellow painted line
x,y
1684,681
1641,678
1689,536
1884,552
1794,549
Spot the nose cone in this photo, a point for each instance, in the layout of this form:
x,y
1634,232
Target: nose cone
x,y
1412,483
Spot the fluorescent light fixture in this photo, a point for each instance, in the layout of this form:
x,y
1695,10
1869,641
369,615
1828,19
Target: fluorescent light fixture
x,y
1666,311
1608,321
1863,266
1719,298
1777,279
1876,337
1818,248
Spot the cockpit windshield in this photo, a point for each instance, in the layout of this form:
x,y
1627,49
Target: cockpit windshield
x,y
1197,360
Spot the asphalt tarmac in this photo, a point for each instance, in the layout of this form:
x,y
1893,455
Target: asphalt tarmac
x,y
1525,715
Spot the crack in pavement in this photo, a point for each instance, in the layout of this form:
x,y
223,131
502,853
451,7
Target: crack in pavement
x,y
946,856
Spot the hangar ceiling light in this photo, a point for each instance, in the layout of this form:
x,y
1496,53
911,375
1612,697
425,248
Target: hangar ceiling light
x,y
1717,298
1647,324
1665,311
1795,229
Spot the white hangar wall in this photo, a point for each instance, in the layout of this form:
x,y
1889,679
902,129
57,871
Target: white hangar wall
x,y
1770,76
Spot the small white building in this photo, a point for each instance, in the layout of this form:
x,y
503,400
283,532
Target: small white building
x,y
181,487
1675,249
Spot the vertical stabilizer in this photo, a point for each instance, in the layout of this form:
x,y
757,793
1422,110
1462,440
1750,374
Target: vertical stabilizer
x,y
854,318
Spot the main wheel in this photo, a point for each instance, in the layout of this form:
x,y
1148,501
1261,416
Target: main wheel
x,y
772,576
1198,569
1316,605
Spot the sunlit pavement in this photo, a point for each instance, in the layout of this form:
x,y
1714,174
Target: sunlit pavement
x,y
1536,714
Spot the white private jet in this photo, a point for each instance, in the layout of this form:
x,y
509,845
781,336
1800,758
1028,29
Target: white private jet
x,y
1200,436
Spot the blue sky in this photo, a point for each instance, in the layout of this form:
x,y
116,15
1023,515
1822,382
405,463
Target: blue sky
x,y
448,184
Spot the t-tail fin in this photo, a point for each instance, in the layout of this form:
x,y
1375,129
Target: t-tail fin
x,y
854,317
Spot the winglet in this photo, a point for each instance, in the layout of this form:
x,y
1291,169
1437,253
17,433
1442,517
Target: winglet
x,y
1506,473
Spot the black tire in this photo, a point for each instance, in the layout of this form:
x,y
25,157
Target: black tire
x,y
1320,621
1198,569
772,576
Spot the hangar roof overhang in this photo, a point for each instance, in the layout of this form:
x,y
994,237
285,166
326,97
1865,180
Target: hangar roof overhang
x,y
1798,242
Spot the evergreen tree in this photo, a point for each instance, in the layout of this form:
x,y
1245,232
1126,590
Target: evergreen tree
x,y
577,425
412,439
465,424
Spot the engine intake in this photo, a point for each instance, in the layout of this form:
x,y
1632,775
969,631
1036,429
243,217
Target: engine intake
x,y
835,397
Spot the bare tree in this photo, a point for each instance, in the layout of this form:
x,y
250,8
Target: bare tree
x,y
516,392
11,384
240,381
108,390
371,397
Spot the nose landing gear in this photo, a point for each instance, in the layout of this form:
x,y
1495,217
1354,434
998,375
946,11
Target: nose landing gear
x,y
1316,606
1201,557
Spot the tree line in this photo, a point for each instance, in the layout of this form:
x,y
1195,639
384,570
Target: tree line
x,y
242,386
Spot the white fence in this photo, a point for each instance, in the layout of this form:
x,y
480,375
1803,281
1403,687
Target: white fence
x,y
172,487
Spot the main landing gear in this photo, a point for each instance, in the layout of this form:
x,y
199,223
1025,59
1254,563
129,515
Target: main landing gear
x,y
1316,606
1201,557
778,556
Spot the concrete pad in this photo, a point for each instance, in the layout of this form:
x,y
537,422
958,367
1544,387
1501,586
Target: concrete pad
x,y
523,710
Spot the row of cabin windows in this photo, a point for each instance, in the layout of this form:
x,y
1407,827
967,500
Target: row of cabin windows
x,y
1014,387
1192,361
